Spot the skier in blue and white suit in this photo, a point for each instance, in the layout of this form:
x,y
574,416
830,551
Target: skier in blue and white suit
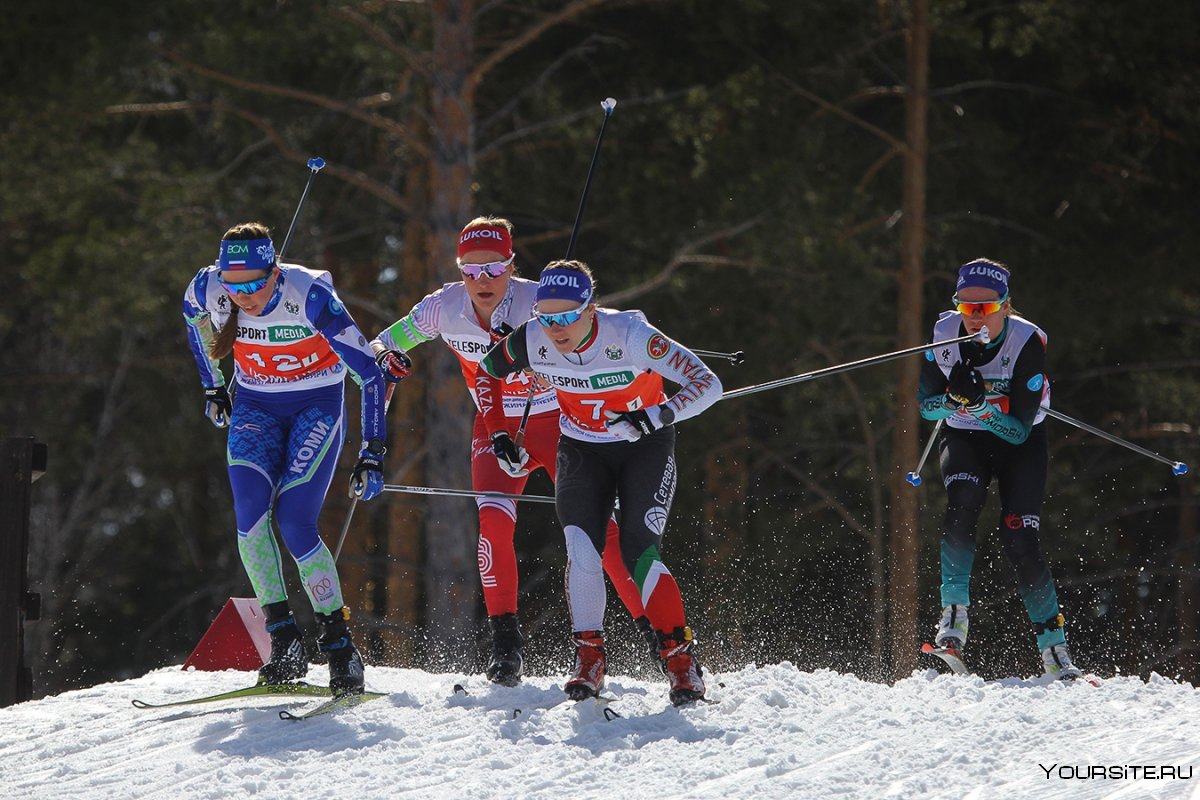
x,y
292,341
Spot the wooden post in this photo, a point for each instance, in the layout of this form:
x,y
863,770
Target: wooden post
x,y
22,461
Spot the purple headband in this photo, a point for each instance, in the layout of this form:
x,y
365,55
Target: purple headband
x,y
247,254
564,284
984,275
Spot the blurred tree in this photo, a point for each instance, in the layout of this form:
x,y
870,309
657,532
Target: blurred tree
x,y
748,197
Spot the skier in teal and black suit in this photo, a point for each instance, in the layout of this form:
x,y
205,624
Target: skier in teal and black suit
x,y
990,397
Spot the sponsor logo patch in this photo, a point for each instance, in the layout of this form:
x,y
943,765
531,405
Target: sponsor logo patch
x,y
656,520
607,380
962,476
1015,522
288,333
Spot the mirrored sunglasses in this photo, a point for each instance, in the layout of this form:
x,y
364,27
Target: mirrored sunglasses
x,y
562,319
246,287
984,307
493,269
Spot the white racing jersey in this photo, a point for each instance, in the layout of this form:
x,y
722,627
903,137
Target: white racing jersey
x,y
448,313
619,367
304,339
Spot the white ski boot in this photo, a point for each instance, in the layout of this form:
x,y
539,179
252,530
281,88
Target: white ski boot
x,y
1056,660
952,630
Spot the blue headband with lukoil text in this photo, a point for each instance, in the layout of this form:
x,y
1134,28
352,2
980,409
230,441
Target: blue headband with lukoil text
x,y
983,274
564,284
246,254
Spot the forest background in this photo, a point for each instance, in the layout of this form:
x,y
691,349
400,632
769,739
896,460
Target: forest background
x,y
795,179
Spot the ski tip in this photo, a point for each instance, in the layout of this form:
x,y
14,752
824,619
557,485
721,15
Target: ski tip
x,y
460,689
936,650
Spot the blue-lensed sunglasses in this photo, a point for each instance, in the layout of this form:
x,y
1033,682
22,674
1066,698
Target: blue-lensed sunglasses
x,y
562,319
248,287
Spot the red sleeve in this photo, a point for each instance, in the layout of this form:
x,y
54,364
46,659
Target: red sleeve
x,y
491,402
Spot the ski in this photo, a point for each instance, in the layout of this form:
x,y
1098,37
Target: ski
x,y
599,701
949,655
333,704
300,688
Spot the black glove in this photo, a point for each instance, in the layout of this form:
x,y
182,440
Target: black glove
x,y
512,458
366,480
394,364
965,385
217,406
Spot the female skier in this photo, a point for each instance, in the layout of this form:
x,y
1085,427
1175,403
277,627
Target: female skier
x,y
991,397
618,443
292,341
470,316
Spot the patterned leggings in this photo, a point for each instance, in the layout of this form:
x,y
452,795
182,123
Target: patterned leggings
x,y
282,452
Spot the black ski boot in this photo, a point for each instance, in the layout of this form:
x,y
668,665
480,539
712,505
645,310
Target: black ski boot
x,y
288,660
345,664
651,636
507,664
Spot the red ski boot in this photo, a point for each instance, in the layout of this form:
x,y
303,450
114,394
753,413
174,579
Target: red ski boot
x,y
588,678
683,670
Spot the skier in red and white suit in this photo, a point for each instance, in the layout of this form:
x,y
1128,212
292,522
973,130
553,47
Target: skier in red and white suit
x,y
618,442
470,316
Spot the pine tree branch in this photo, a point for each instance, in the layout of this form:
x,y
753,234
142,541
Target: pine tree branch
x,y
353,110
686,255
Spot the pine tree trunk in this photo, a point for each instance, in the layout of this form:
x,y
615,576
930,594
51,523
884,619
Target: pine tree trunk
x,y
726,483
904,519
402,605
451,576
1187,589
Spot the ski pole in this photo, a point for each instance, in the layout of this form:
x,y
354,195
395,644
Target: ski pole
x,y
608,104
982,336
387,401
1177,467
520,437
532,498
315,165
736,357
914,477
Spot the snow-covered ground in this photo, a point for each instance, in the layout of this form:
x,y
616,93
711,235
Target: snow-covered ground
x,y
776,733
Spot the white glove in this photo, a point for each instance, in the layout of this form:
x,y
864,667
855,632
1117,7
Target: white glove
x,y
512,458
633,425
